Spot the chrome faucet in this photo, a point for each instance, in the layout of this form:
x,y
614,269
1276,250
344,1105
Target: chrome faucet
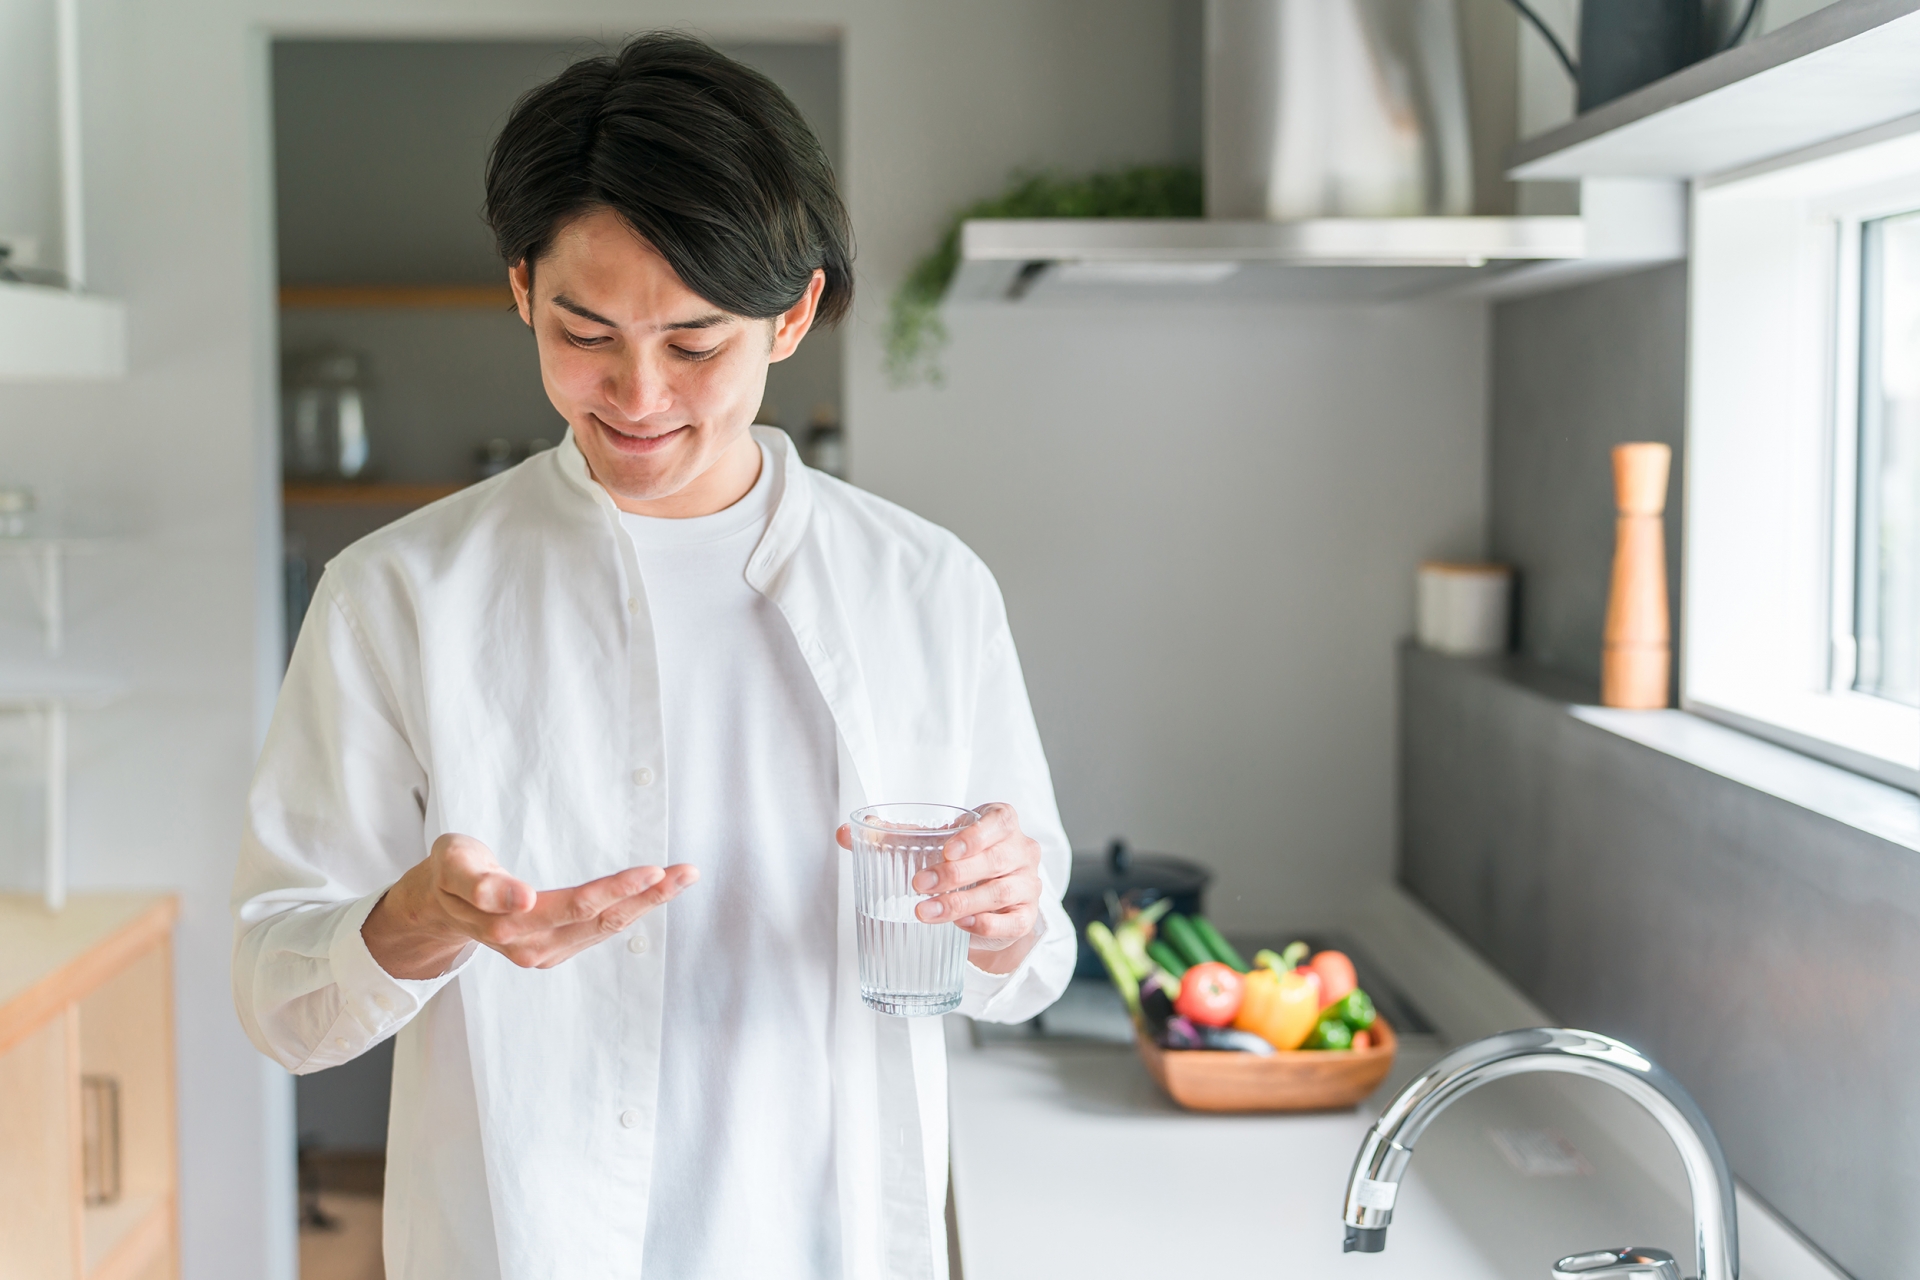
x,y
1382,1162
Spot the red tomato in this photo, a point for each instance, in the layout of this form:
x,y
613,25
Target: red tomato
x,y
1336,975
1210,994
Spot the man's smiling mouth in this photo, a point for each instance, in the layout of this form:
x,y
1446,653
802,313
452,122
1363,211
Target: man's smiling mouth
x,y
636,437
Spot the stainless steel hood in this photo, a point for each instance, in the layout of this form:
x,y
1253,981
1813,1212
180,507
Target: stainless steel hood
x,y
1338,165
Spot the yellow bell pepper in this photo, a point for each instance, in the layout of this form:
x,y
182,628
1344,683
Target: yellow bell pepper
x,y
1280,1008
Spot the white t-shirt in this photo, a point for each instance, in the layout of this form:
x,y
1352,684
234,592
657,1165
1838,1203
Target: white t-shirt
x,y
743,1180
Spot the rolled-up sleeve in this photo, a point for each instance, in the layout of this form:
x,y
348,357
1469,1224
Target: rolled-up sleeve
x,y
1009,765
335,815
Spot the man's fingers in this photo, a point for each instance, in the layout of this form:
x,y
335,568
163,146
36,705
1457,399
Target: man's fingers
x,y
1000,927
996,860
585,902
997,822
467,869
561,922
498,893
553,946
672,881
989,895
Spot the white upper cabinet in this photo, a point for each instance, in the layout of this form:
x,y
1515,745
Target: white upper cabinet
x,y
50,327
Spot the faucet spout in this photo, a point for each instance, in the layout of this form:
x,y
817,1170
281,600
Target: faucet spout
x,y
1384,1155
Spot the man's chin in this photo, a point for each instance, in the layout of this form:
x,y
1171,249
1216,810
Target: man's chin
x,y
632,483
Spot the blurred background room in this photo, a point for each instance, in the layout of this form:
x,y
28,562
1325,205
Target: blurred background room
x,y
1274,355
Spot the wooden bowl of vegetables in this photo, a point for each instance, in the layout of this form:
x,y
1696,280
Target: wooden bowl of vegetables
x,y
1289,1032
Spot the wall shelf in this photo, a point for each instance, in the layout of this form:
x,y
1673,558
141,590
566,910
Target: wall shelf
x,y
371,494
378,297
46,558
1845,68
50,697
49,334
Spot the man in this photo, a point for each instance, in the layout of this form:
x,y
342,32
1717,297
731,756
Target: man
x,y
656,665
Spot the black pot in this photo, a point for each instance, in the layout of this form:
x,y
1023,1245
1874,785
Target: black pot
x,y
1627,43
1103,884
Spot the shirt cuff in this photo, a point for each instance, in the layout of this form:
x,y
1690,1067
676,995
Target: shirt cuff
x,y
379,1003
982,988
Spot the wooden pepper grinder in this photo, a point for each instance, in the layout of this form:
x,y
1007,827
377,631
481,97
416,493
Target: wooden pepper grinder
x,y
1635,656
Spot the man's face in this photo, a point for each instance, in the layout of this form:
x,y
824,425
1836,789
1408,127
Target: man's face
x,y
657,383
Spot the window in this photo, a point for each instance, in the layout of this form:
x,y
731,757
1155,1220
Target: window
x,y
1886,619
1802,540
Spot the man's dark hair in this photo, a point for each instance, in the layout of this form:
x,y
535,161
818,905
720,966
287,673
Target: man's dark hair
x,y
704,157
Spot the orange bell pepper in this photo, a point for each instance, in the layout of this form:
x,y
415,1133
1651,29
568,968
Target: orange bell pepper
x,y
1281,1008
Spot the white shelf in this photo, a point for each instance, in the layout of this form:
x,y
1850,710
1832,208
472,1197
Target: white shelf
x,y
1845,68
46,557
30,691
49,334
49,695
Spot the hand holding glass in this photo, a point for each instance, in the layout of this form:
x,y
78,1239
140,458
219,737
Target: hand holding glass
x,y
908,968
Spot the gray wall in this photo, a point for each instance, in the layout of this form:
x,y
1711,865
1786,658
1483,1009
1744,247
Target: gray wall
x,y
1575,373
1768,955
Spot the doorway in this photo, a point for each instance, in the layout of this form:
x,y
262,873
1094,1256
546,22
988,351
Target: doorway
x,y
406,374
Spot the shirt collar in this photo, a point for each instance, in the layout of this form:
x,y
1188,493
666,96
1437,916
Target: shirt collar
x,y
792,499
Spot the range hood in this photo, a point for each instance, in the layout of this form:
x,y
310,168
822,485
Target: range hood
x,y
1338,167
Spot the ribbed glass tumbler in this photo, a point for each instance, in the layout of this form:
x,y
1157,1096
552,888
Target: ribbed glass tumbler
x,y
907,968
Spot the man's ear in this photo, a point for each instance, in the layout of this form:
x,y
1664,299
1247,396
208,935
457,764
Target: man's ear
x,y
792,324
520,280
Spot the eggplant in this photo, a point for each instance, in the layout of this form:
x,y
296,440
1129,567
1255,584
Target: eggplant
x,y
1181,1034
1156,1006
1238,1041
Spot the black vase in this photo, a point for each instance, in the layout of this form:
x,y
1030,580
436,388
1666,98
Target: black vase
x,y
1627,43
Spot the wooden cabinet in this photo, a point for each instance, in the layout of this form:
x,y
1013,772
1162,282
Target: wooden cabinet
x,y
86,1089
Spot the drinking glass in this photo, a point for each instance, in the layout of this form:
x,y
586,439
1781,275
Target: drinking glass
x,y
908,968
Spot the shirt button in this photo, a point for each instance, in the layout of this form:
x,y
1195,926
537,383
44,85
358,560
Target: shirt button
x,y
637,944
633,604
643,777
340,1042
629,1118
383,1002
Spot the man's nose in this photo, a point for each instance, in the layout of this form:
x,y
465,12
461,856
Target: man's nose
x,y
637,389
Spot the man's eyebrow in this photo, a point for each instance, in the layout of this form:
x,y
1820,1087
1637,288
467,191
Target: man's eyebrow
x,y
707,321
565,303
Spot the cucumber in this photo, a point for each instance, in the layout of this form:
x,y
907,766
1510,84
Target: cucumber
x,y
1219,947
1167,958
1180,932
1355,1009
1108,948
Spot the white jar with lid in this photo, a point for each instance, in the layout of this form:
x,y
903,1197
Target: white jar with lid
x,y
1465,609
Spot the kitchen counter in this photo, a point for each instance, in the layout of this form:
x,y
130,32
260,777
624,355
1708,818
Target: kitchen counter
x,y
1067,1160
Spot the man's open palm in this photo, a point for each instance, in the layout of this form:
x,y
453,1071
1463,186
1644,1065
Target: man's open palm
x,y
459,895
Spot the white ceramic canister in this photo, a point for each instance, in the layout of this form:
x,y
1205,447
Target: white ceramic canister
x,y
1464,609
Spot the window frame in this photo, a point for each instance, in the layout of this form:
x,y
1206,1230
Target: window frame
x,y
1772,465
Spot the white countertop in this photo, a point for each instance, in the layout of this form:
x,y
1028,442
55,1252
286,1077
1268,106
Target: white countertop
x,y
1068,1161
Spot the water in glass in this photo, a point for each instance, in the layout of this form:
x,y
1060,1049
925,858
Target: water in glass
x,y
907,968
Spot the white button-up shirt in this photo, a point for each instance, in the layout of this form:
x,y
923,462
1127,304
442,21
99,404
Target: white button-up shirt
x,y
486,666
